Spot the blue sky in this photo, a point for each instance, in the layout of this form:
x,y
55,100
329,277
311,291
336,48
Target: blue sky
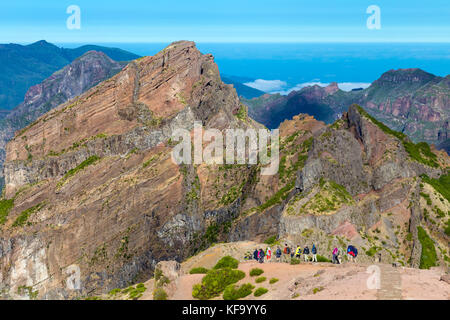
x,y
25,21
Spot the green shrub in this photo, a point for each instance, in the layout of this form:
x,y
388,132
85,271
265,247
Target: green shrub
x,y
271,240
136,293
260,291
295,261
322,259
159,294
315,290
256,272
273,280
227,262
428,257
260,279
233,292
114,292
441,185
5,207
215,282
199,270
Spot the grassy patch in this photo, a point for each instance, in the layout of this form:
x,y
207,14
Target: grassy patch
x,y
329,199
260,279
428,257
5,208
256,272
441,185
273,280
89,161
322,259
295,261
215,282
198,270
227,262
159,294
315,290
24,215
271,240
260,291
277,197
233,292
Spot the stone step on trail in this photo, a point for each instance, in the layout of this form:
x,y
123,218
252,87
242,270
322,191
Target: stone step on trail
x,y
391,283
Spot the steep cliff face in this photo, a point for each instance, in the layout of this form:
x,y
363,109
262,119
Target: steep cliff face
x,y
412,101
67,83
94,185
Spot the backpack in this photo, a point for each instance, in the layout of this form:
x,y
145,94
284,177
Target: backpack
x,y
314,250
287,250
355,251
278,252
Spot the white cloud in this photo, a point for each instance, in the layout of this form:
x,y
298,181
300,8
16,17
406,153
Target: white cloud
x,y
345,86
348,86
267,85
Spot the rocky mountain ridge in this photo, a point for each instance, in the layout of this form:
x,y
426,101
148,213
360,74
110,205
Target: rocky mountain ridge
x,y
411,101
91,185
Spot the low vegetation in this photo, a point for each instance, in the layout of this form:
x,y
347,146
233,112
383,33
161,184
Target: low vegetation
x,y
256,272
22,219
273,280
89,161
428,257
5,207
233,292
198,270
260,291
215,282
260,279
441,185
227,262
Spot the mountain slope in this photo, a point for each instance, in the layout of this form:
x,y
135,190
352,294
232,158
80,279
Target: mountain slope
x,y
24,66
74,79
98,177
91,186
412,101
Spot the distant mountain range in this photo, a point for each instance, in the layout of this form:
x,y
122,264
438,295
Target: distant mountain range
x,y
24,66
412,101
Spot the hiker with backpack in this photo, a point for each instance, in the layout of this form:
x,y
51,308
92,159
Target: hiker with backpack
x,y
286,253
352,253
255,254
278,254
335,256
261,255
314,253
298,252
269,254
340,255
306,253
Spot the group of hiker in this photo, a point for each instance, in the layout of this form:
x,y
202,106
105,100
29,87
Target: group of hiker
x,y
289,253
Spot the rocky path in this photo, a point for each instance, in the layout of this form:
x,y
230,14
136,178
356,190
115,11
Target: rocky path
x,y
391,283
